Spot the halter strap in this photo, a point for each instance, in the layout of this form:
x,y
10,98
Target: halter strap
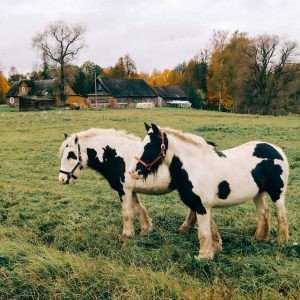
x,y
79,163
161,155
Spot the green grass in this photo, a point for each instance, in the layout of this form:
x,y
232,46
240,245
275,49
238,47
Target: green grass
x,y
61,242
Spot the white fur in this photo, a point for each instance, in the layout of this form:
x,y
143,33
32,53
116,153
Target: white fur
x,y
124,144
206,170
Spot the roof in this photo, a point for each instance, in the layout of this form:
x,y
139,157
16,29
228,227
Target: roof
x,y
14,90
123,87
28,82
170,92
44,87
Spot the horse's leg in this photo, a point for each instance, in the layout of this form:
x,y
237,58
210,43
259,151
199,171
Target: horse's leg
x,y
189,221
145,220
127,213
205,236
217,241
283,228
263,226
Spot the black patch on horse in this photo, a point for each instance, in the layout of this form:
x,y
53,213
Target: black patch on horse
x,y
219,153
151,151
72,155
223,190
112,168
267,177
180,181
264,150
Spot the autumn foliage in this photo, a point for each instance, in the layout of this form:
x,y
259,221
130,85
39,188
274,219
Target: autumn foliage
x,y
4,87
236,73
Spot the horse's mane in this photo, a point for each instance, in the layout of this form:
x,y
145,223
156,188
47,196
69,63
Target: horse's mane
x,y
93,132
187,137
100,131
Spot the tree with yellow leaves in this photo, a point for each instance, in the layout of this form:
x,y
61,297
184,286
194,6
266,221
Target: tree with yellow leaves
x,y
4,87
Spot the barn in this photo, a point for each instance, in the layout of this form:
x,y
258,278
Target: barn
x,y
12,96
170,94
27,103
42,89
121,92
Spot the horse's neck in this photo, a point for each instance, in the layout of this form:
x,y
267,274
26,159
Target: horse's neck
x,y
121,145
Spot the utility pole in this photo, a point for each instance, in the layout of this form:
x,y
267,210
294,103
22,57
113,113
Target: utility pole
x,y
95,88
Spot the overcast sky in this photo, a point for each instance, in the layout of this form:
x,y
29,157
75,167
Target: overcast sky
x,y
157,33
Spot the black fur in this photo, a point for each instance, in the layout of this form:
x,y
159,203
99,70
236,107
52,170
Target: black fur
x,y
264,150
219,153
150,153
223,190
112,167
267,177
72,155
180,181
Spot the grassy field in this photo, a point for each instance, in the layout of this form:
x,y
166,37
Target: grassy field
x,y
61,242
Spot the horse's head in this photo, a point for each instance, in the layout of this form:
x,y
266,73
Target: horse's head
x,y
152,153
71,160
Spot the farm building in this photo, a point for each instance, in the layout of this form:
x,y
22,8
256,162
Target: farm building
x,y
168,94
179,103
42,89
32,103
12,96
121,92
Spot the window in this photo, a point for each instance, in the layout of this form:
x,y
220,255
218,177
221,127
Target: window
x,y
11,100
23,89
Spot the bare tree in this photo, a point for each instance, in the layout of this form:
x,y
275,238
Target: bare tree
x,y
60,43
272,67
129,65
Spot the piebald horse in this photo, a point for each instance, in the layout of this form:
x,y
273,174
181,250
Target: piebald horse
x,y
109,152
207,178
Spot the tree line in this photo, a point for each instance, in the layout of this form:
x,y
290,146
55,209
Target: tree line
x,y
236,73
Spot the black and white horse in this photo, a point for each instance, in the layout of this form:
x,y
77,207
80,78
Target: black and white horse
x,y
110,152
207,178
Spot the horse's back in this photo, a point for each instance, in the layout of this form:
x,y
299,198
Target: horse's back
x,y
242,172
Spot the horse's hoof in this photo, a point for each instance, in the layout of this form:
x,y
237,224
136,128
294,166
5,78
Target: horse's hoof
x,y
218,246
207,255
123,239
145,231
184,228
260,238
283,239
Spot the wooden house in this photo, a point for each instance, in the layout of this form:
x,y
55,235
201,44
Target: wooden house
x,y
168,94
42,89
121,92
12,96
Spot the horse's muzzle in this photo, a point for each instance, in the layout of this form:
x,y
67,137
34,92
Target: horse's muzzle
x,y
136,175
64,180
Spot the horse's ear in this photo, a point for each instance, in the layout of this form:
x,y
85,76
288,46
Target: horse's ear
x,y
76,139
147,126
66,135
155,129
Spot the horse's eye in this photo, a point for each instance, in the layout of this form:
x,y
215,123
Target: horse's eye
x,y
72,155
